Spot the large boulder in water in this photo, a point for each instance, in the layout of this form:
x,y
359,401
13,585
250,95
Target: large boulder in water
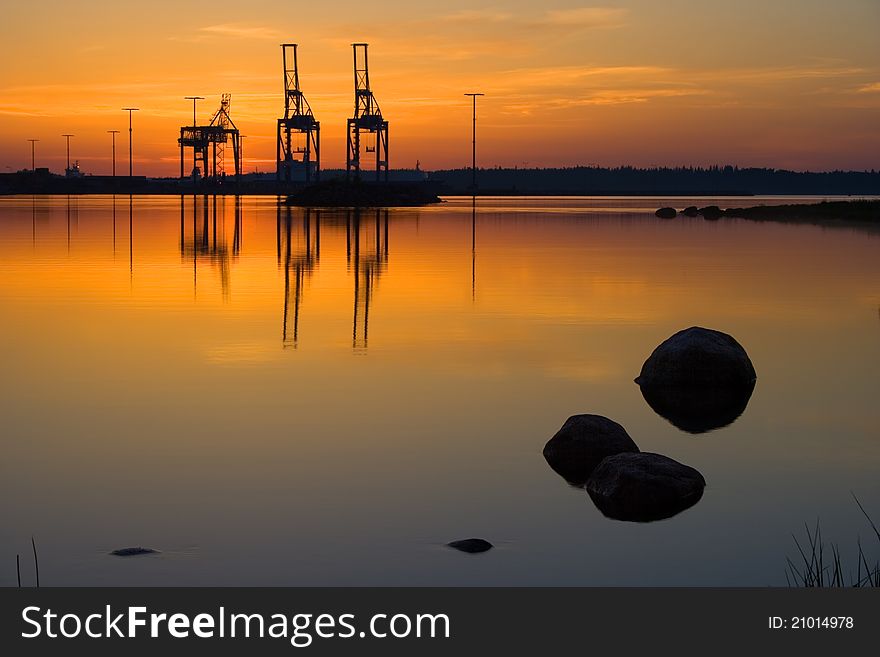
x,y
698,409
582,443
698,357
643,487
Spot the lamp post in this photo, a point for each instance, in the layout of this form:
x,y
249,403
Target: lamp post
x,y
33,141
474,143
129,110
113,134
68,150
195,99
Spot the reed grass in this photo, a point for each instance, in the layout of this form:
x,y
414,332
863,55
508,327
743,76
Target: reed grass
x,y
819,566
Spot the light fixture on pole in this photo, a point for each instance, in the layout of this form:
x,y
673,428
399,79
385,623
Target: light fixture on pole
x,y
194,99
129,110
474,143
68,149
33,141
113,134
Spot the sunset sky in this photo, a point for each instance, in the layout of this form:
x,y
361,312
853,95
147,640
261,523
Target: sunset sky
x,y
781,83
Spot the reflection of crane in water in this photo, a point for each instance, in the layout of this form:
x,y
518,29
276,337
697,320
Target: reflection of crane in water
x,y
207,238
301,254
370,259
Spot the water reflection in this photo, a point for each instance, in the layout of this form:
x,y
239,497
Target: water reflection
x,y
204,238
569,303
367,260
698,410
302,254
72,217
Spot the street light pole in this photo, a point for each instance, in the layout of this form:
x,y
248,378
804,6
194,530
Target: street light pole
x,y
194,99
474,143
129,110
113,134
68,150
33,141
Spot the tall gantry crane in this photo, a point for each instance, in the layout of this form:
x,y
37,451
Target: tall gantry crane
x,y
367,120
212,138
298,119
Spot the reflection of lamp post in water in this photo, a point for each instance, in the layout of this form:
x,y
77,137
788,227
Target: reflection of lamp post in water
x,y
473,248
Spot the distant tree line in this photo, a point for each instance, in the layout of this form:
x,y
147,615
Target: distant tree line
x,y
661,180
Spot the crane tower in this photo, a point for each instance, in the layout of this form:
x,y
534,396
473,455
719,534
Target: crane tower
x,y
367,121
305,150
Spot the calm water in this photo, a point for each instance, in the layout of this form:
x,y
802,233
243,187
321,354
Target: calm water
x,y
328,399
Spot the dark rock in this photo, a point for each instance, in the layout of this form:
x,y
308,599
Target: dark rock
x,y
691,211
471,545
666,213
644,487
581,444
698,409
698,357
133,551
711,212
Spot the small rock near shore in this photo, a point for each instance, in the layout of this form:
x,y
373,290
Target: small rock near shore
x,y
711,212
666,213
691,211
133,551
471,545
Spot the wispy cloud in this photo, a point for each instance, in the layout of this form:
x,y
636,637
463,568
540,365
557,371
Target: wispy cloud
x,y
584,17
577,18
239,31
228,31
873,87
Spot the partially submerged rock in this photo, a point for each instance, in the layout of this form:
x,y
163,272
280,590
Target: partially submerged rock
x,y
691,211
698,356
698,409
581,444
471,545
666,213
133,551
711,212
643,487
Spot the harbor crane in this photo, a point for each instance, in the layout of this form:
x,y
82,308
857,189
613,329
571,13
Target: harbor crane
x,y
367,120
211,138
298,119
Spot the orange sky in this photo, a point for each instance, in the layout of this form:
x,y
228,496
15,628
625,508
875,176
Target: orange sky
x,y
787,83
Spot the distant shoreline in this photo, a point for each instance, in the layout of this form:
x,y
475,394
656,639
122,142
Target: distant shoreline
x,y
857,212
572,181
